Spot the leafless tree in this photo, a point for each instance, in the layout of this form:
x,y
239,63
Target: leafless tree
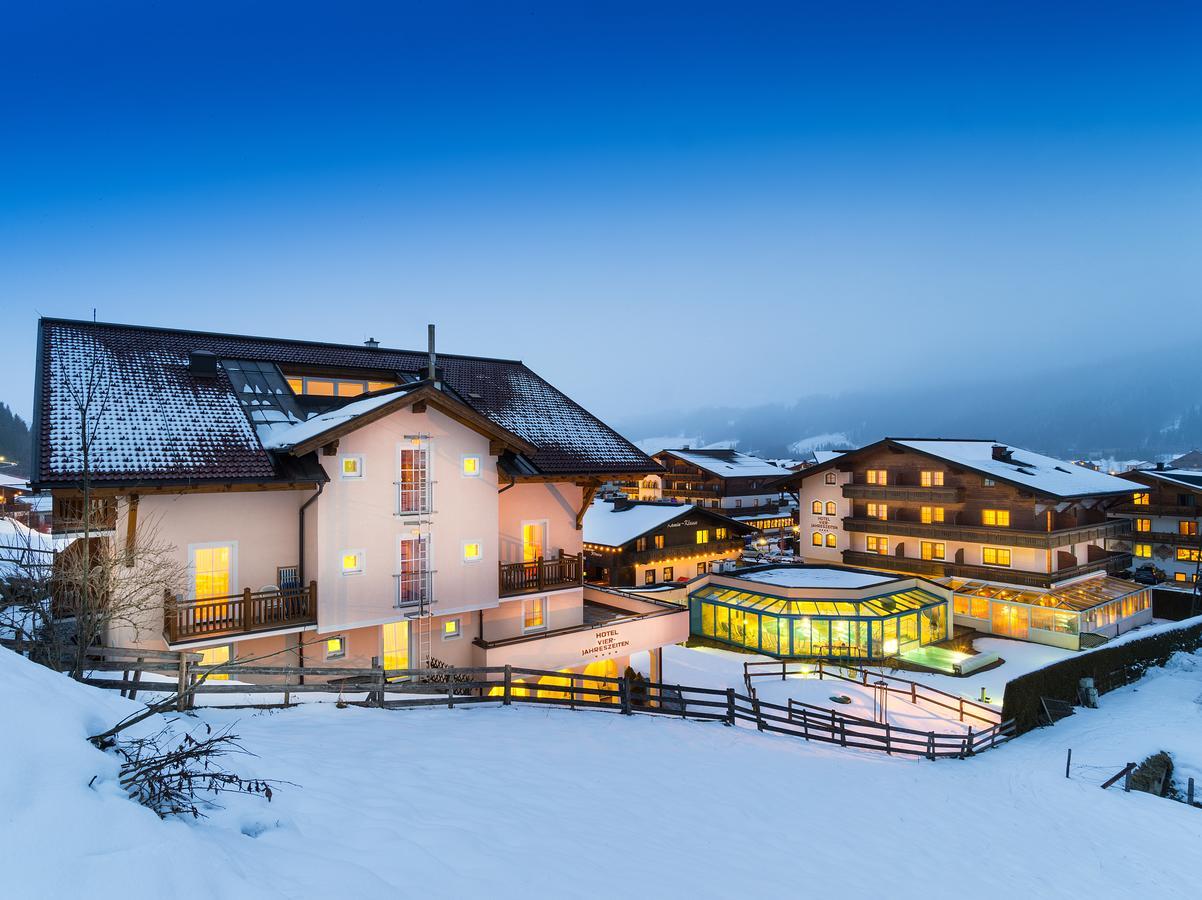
x,y
61,603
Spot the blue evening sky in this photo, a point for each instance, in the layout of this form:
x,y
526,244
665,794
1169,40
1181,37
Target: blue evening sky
x,y
654,205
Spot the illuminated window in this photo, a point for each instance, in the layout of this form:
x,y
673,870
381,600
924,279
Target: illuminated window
x,y
1143,551
1187,528
932,550
931,479
830,477
878,510
877,544
831,540
995,556
816,539
534,614
413,482
1187,554
335,387
351,466
703,535
1141,498
669,573
816,507
988,482
932,514
997,517
471,467
649,576
657,541
1143,524
830,507
352,562
640,544
216,656
451,629
212,566
335,647
473,551
877,476
701,568
720,534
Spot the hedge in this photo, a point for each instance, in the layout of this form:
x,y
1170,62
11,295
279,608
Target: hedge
x,y
1109,667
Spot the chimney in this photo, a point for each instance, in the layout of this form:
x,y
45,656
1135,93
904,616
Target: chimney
x,y
202,364
1160,467
1001,452
371,343
433,373
621,504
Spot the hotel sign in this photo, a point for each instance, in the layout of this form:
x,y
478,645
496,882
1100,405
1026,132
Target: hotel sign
x,y
827,522
608,642
686,523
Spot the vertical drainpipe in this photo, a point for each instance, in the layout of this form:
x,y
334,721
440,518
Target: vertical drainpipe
x,y
300,571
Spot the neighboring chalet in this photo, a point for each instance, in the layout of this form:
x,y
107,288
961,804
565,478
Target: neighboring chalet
x,y
12,489
719,479
344,503
1164,518
1020,537
628,544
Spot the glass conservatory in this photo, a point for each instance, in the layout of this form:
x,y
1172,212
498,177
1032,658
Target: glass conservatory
x,y
868,628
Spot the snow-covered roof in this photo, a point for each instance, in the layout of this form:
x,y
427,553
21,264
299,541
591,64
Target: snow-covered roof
x,y
1023,467
23,550
814,577
821,456
13,483
730,463
1188,478
282,437
163,422
613,525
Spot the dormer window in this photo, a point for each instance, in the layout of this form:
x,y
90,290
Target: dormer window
x,y
318,386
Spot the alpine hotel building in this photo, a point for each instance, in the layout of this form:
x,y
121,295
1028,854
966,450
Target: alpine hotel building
x,y
1020,537
345,503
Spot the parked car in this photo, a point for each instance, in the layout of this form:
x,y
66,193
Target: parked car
x,y
1147,574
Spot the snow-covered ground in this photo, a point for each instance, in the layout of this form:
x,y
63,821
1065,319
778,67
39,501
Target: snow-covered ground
x,y
533,802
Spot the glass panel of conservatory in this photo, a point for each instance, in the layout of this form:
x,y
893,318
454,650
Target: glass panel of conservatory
x,y
801,637
840,639
859,638
707,619
934,624
820,637
783,627
907,631
751,628
736,626
889,641
768,635
876,639
722,623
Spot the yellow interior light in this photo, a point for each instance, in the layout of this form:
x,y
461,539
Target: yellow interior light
x,y
350,561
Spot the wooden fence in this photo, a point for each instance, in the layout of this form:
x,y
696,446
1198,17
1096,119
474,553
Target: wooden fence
x,y
914,691
509,685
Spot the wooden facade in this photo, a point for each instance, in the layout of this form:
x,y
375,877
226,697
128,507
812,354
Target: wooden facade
x,y
1164,524
891,507
687,482
677,550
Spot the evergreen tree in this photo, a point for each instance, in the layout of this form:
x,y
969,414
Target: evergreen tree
x,y
15,442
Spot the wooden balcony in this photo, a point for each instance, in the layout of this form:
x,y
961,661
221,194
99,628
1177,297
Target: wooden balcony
x,y
981,534
251,612
685,551
901,493
556,573
930,568
1157,509
1163,537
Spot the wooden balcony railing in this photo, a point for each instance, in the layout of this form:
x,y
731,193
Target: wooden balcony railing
x,y
904,492
541,574
1113,563
237,614
1158,509
1005,537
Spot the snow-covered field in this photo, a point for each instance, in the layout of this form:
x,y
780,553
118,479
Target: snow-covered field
x,y
529,802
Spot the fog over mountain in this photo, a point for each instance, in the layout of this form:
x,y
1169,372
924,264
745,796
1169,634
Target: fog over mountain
x,y
1129,408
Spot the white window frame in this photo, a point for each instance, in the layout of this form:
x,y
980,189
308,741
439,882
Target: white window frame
x,y
546,611
421,444
341,654
463,465
192,548
424,576
458,629
361,553
464,556
362,466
